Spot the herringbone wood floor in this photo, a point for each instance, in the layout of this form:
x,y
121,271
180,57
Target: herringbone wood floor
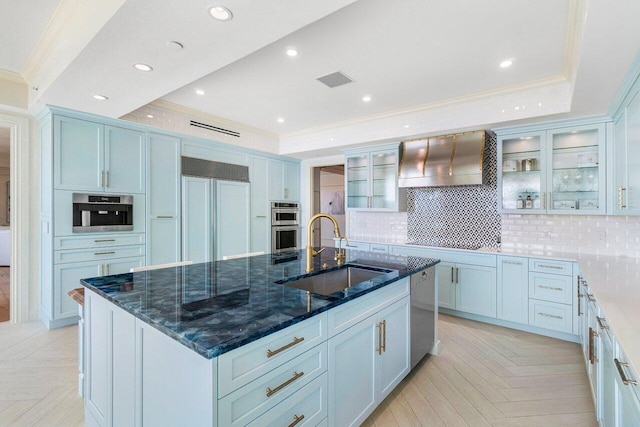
x,y
485,375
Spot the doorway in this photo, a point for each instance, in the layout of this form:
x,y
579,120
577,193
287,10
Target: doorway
x,y
5,223
328,197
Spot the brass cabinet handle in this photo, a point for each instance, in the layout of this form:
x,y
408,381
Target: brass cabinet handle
x,y
601,322
296,420
164,216
592,337
108,269
101,270
512,262
591,298
555,267
621,204
106,180
104,253
384,336
295,376
457,271
261,216
379,326
553,316
101,178
295,341
104,240
623,376
579,297
452,268
553,288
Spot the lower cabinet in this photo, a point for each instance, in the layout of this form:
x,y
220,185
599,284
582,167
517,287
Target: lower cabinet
x,y
468,288
366,362
513,289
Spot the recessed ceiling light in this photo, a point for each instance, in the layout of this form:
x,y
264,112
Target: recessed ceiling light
x,y
175,45
292,52
199,91
539,104
366,98
280,120
100,97
143,67
331,139
150,116
506,63
406,126
517,107
220,13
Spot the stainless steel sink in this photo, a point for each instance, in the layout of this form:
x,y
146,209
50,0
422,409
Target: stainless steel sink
x,y
327,283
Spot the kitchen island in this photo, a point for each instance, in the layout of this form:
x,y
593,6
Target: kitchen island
x,y
236,343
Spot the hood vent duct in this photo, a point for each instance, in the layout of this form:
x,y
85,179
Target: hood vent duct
x,y
215,128
443,160
215,170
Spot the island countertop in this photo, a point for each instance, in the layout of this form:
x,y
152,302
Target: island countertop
x,y
215,307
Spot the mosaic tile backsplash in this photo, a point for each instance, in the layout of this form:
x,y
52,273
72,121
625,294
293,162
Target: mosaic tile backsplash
x,y
459,216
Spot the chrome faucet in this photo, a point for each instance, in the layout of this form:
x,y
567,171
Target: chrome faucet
x,y
310,251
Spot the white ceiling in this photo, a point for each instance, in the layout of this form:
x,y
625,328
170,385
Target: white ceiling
x,y
404,55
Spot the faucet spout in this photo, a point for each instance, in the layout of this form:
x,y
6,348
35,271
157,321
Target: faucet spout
x,y
310,251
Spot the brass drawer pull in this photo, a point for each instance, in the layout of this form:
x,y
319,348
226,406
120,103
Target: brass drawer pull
x,y
601,322
379,326
591,298
553,288
512,262
553,267
295,376
296,420
104,253
295,341
104,240
553,316
623,376
164,217
592,336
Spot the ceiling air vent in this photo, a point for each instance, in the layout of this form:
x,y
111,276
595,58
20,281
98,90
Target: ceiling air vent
x,y
215,128
335,79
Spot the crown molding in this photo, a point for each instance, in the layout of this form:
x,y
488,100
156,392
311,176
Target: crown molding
x,y
505,90
11,76
166,105
576,18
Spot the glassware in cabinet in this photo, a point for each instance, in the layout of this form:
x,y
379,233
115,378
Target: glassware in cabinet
x,y
357,181
522,176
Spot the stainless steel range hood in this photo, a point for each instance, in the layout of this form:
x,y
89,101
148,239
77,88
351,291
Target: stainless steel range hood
x,y
443,160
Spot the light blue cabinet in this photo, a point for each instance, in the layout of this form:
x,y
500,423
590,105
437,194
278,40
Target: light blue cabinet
x,y
476,289
89,156
608,383
260,209
366,362
284,181
445,281
232,218
513,289
163,199
197,219
78,154
626,163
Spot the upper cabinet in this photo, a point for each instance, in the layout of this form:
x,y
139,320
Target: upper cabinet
x,y
626,163
284,181
371,179
557,171
92,157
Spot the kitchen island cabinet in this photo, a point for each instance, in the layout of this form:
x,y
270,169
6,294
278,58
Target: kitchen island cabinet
x,y
237,348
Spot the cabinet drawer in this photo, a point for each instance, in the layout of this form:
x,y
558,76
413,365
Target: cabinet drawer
x,y
254,399
350,313
379,248
244,364
97,241
550,266
308,405
551,315
98,254
551,287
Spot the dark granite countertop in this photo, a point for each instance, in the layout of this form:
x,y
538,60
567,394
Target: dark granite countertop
x,y
215,307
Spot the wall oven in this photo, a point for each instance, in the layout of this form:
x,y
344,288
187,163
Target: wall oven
x,y
285,214
102,212
285,227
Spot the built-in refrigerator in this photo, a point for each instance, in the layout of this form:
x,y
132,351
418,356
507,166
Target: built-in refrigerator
x,y
215,218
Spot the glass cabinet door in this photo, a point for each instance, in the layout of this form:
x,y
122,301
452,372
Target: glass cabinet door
x,y
577,179
523,180
357,177
384,169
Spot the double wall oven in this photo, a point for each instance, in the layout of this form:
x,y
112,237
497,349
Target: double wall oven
x,y
285,227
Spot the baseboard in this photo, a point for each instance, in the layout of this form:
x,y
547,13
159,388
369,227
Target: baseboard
x,y
59,323
435,350
512,325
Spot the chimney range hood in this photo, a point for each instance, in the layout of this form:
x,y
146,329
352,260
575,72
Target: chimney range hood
x,y
443,160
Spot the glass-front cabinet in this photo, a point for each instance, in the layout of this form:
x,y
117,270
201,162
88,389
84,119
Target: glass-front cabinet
x,y
371,179
556,171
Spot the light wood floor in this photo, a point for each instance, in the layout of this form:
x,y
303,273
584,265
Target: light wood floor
x,y
4,294
485,375
491,376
